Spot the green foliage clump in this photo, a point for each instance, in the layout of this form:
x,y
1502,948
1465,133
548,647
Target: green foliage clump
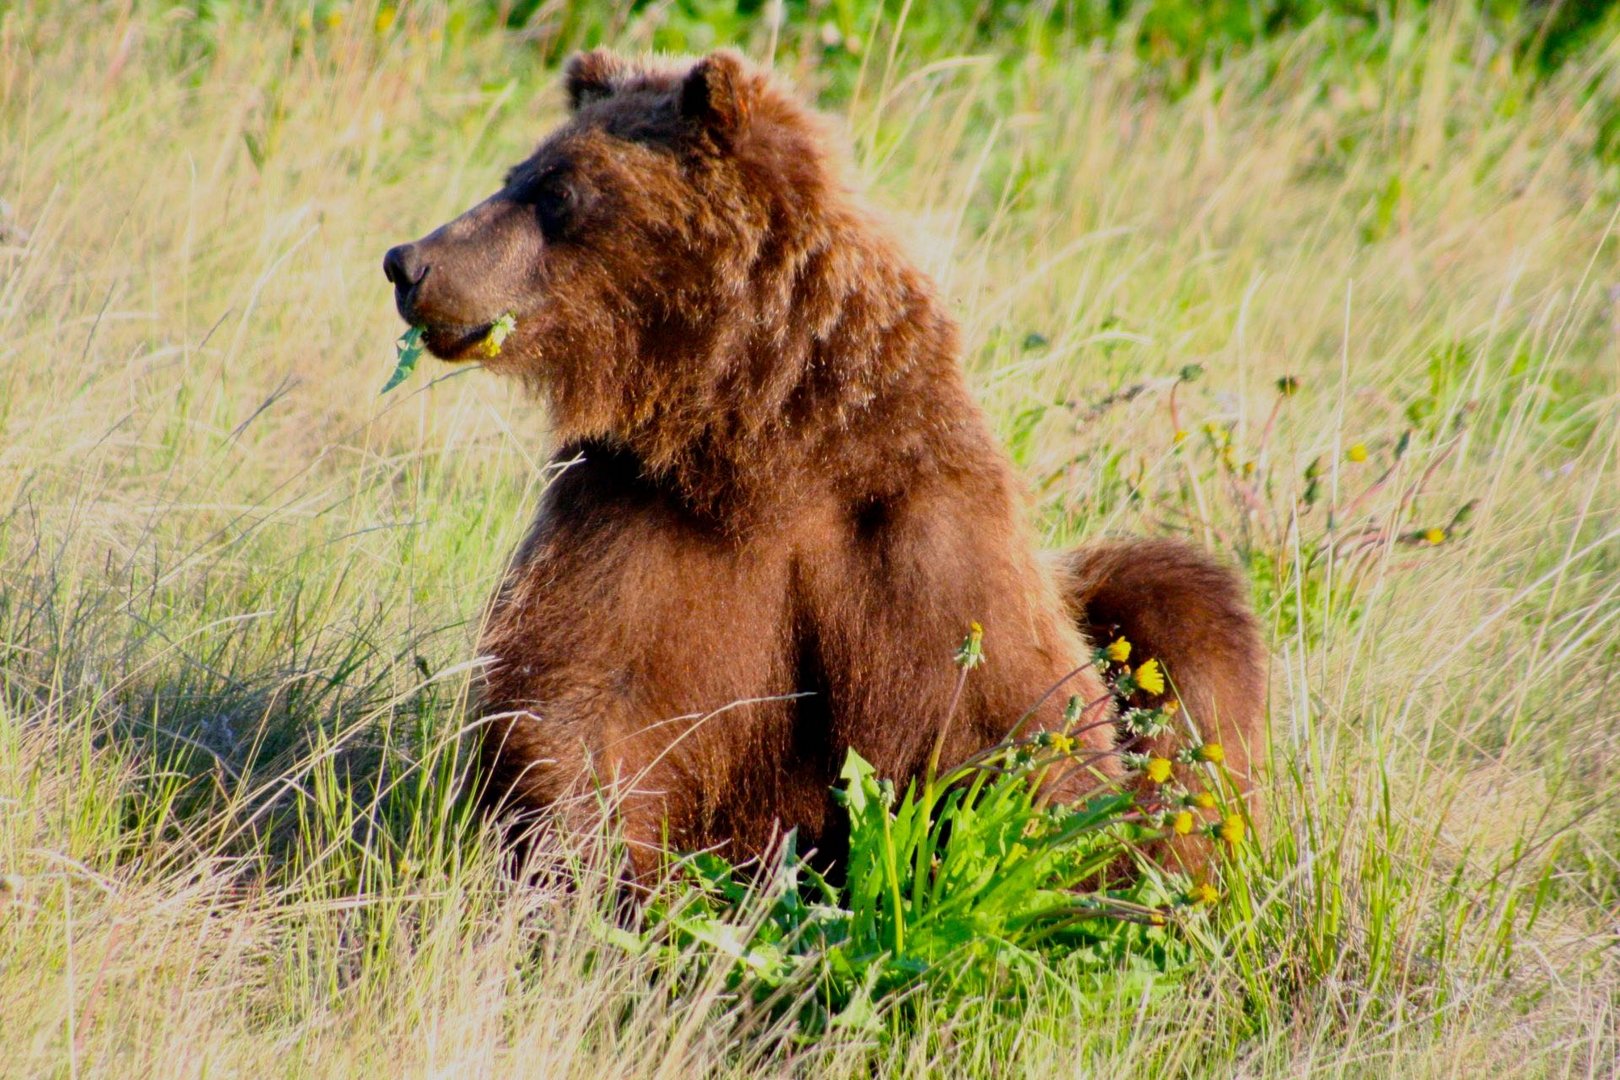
x,y
1172,35
961,883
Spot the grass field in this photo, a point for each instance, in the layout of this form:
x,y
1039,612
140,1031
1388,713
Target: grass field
x,y
1354,323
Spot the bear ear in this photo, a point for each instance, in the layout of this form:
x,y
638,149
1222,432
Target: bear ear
x,y
591,76
718,93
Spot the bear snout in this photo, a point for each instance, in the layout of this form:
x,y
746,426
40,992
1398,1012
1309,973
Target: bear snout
x,y
403,266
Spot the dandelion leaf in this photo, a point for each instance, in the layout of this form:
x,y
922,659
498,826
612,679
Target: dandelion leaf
x,y
410,353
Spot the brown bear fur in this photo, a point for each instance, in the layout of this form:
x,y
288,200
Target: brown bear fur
x,y
776,507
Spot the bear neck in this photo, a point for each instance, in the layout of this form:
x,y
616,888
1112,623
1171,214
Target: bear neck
x,y
853,387
828,367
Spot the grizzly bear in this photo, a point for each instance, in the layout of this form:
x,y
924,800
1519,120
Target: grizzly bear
x,y
775,508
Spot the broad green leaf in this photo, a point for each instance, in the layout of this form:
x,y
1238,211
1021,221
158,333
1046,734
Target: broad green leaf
x,y
410,352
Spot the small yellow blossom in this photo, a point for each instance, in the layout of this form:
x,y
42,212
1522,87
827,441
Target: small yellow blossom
x,y
334,19
1171,707
1182,823
1119,650
1357,452
1232,829
306,21
1203,893
385,18
1211,752
1156,919
971,654
1434,536
1062,743
1180,436
1204,800
1157,769
1150,677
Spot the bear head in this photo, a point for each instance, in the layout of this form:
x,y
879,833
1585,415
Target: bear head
x,y
673,258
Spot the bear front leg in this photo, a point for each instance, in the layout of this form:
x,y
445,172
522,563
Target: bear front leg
x,y
661,784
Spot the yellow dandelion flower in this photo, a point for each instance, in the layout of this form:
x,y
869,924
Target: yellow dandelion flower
x,y
306,21
1182,823
334,19
1204,800
1119,651
1232,829
1150,677
1062,743
1203,893
1211,752
385,18
1357,452
1171,707
971,653
1157,769
1435,536
1180,436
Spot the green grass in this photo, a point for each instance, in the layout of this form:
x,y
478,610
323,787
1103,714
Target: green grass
x,y
239,590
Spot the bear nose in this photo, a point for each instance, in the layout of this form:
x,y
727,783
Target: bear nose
x,y
403,266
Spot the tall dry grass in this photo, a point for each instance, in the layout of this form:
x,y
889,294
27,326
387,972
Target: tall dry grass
x,y
237,590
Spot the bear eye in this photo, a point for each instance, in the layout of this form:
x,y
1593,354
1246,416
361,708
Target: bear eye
x,y
554,204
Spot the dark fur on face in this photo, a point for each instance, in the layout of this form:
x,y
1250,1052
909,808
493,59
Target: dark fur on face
x,y
785,507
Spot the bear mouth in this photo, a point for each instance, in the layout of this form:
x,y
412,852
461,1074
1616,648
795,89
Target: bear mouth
x,y
455,342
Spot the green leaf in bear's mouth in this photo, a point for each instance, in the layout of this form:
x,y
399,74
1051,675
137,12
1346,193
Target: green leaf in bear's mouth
x,y
410,351
499,331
